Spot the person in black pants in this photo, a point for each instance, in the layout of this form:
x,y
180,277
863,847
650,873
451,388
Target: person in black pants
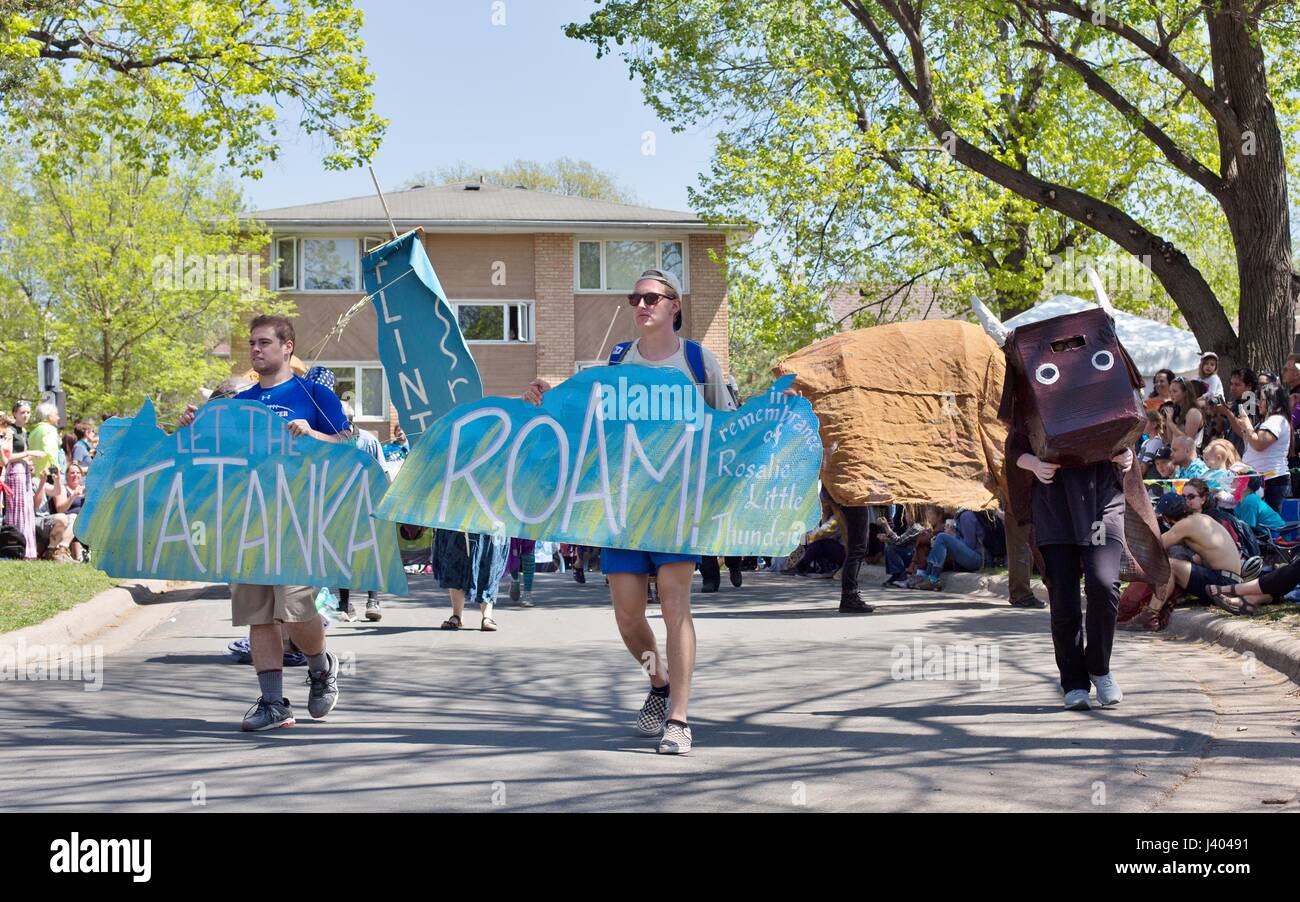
x,y
712,573
856,522
1078,517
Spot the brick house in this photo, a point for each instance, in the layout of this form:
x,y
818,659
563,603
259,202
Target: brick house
x,y
538,280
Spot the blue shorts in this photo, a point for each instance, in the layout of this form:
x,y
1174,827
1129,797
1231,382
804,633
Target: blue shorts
x,y
621,560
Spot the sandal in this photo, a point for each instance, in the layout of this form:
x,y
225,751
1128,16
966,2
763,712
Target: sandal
x,y
489,625
451,623
1219,595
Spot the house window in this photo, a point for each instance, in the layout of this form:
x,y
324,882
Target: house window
x,y
499,322
363,385
286,250
330,264
615,265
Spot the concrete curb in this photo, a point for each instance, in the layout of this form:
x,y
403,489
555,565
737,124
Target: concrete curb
x,y
142,605
1273,648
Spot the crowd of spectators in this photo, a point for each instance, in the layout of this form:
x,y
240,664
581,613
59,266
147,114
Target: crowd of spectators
x,y
43,483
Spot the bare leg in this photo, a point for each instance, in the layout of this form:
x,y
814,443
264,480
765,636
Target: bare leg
x,y
457,603
1182,572
266,646
675,605
309,636
628,593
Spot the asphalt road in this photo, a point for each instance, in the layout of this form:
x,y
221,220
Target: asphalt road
x,y
795,706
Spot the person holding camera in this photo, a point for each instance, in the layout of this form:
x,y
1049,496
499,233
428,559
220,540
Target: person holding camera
x,y
56,505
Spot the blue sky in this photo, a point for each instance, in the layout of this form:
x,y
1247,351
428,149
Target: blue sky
x,y
457,87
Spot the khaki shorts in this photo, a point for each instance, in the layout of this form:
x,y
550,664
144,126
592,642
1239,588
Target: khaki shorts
x,y
258,605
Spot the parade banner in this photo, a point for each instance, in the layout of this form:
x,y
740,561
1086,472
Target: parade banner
x,y
234,497
428,366
622,457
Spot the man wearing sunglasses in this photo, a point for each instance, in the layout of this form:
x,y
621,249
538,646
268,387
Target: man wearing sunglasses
x,y
656,302
1216,559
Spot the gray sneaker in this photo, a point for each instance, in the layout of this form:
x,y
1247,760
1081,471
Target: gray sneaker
x,y
676,740
1108,691
1077,700
324,692
650,722
267,716
372,610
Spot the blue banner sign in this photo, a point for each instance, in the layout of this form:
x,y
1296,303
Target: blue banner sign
x,y
621,457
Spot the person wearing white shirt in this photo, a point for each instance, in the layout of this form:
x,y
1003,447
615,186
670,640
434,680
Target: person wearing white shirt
x,y
1268,444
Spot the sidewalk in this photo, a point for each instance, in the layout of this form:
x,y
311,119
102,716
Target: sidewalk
x,y
1276,648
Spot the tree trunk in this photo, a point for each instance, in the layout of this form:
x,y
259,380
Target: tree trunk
x,y
1256,201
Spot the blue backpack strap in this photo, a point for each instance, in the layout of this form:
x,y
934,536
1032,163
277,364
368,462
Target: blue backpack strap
x,y
695,360
620,351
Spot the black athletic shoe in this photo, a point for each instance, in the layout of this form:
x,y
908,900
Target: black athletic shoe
x,y
710,586
579,576
855,605
735,577
1029,601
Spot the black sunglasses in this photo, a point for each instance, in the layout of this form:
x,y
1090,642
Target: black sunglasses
x,y
650,297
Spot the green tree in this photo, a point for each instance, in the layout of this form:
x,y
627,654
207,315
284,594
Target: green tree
x,y
577,178
882,140
187,77
134,279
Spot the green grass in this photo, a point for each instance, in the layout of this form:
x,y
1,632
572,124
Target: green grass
x,y
34,591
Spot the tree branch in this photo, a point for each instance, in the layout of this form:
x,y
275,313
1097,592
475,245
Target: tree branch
x,y
1181,160
1159,53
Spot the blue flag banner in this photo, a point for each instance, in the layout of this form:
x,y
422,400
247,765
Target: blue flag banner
x,y
428,366
234,497
621,457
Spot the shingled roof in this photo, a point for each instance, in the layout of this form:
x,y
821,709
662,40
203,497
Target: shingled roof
x,y
470,205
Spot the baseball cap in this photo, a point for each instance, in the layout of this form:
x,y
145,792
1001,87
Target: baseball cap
x,y
674,285
1171,505
1165,453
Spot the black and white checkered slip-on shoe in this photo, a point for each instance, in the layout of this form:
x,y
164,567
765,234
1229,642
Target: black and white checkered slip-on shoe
x,y
650,722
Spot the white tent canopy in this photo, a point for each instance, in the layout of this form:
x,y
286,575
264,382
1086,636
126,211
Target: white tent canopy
x,y
1152,345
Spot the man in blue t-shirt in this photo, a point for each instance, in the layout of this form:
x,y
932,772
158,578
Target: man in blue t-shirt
x,y
311,409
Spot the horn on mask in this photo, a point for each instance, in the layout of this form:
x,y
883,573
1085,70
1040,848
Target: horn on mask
x,y
992,325
1098,289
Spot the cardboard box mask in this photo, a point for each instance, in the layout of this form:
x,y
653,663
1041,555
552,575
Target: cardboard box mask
x,y
1076,388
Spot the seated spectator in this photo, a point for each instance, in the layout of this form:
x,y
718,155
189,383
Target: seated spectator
x,y
1219,457
57,506
1165,466
823,551
899,548
1151,440
1252,510
1215,561
1190,466
948,546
